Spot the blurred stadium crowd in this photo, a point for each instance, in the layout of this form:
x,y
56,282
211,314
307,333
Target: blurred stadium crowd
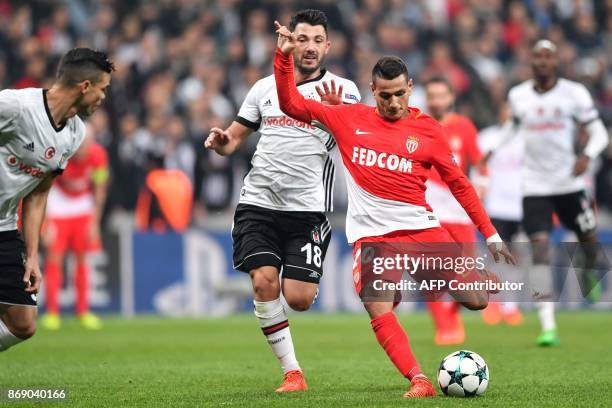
x,y
184,66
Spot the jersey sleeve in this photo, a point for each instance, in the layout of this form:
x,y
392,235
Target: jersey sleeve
x,y
351,93
460,186
584,109
9,109
294,104
249,114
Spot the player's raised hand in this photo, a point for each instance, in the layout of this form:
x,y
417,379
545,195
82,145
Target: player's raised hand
x,y
499,249
216,139
286,39
32,276
329,95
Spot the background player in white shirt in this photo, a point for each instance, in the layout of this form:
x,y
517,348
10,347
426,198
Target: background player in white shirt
x,y
280,220
503,203
39,131
548,112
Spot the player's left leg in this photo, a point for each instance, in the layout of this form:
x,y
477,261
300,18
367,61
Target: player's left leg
x,y
80,247
17,323
445,313
394,340
18,308
307,239
537,222
577,213
55,238
387,329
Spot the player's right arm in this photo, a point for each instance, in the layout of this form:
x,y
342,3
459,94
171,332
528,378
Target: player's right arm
x,y
225,142
291,101
509,128
34,205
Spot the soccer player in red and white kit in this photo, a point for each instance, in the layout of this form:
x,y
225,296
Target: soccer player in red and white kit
x,y
74,210
462,138
387,152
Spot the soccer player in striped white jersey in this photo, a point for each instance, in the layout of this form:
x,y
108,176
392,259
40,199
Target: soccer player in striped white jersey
x,y
280,221
548,112
40,129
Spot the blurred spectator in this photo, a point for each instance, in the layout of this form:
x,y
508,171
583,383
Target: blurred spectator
x,y
184,66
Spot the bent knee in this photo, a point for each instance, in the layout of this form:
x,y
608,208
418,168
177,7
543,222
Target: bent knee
x,y
23,329
477,304
265,283
299,304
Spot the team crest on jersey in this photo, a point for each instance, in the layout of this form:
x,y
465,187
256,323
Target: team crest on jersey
x,y
316,235
49,153
412,143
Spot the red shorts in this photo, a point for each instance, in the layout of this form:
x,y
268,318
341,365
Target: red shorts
x,y
430,257
463,233
69,234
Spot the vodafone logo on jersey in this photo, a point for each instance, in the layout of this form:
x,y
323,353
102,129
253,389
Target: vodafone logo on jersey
x,y
14,162
287,121
412,143
368,157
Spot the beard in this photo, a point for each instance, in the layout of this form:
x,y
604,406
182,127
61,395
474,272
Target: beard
x,y
309,70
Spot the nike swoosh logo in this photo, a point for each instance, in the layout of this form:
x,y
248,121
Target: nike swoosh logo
x,y
360,132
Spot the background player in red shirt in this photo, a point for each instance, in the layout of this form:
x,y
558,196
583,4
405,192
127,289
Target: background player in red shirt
x,y
387,153
74,210
462,138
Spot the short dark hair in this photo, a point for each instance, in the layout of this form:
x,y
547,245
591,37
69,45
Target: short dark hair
x,y
440,79
80,64
309,16
389,67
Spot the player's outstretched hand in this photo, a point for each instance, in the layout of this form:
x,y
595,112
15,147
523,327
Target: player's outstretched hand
x,y
329,95
32,276
582,163
499,249
286,39
216,139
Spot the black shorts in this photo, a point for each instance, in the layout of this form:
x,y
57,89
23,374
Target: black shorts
x,y
575,211
297,241
505,228
12,260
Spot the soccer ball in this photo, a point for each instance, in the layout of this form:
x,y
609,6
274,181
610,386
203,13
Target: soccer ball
x,y
463,374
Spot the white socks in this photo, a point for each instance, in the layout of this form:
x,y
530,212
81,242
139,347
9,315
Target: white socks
x,y
542,285
275,326
7,339
546,312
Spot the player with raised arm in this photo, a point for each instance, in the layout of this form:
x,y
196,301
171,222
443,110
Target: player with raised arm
x,y
280,221
462,138
548,112
39,131
387,152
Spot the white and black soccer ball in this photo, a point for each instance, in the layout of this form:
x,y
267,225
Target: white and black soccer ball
x,y
463,374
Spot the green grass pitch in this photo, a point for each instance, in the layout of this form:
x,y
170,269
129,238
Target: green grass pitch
x,y
153,362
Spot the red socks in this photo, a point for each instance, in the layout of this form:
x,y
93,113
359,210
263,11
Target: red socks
x,y
81,283
392,337
53,283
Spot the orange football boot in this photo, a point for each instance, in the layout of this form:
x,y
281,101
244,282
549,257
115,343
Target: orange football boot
x,y
293,381
421,388
492,314
513,317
